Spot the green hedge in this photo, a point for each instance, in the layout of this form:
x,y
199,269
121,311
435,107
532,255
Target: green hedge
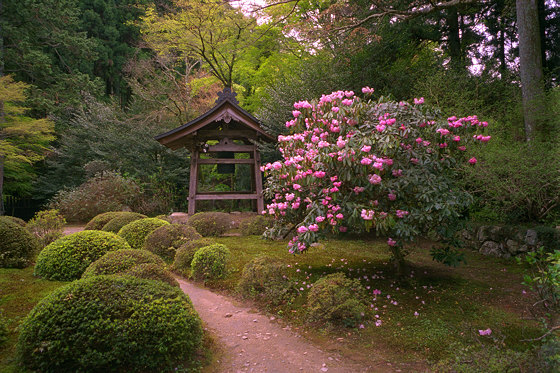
x,y
113,324
17,245
185,254
135,233
211,223
68,257
210,262
165,240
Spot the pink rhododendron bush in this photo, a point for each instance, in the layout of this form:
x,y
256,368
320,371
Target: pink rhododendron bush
x,y
356,164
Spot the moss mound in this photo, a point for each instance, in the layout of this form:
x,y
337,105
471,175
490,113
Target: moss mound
x,y
16,220
114,225
211,223
265,279
165,240
255,225
68,257
100,220
17,245
185,254
120,261
113,324
210,262
152,271
336,299
135,233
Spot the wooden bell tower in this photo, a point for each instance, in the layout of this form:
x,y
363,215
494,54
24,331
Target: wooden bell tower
x,y
235,131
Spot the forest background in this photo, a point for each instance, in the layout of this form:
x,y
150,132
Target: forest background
x,y
86,85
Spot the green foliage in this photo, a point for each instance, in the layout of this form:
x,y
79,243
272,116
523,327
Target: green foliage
x,y
16,220
131,325
17,246
114,225
336,299
210,262
447,255
211,223
135,233
255,225
165,240
99,221
120,261
68,257
185,254
265,279
520,182
3,329
102,193
47,226
152,271
23,140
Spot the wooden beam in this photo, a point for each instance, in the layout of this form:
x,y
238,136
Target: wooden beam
x,y
231,148
232,134
258,182
193,182
222,196
225,161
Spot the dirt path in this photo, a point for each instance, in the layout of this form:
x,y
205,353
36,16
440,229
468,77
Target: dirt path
x,y
69,229
255,343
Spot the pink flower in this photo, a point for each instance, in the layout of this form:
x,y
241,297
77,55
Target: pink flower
x,y
456,138
367,90
401,213
296,113
419,101
366,161
296,186
391,196
377,292
320,219
472,160
358,189
319,174
367,214
290,196
340,143
380,127
347,102
462,148
366,148
302,229
443,131
339,216
375,179
313,227
485,332
391,242
419,140
343,229
335,109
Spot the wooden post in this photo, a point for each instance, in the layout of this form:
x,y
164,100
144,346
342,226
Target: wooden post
x,y
258,181
193,182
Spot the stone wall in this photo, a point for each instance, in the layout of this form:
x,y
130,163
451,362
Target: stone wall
x,y
507,241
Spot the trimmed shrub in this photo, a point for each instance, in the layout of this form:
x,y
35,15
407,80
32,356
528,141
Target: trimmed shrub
x,y
151,271
135,233
336,299
16,220
264,278
121,261
47,226
210,262
165,240
99,221
255,225
113,324
67,258
114,225
17,245
105,192
185,254
211,223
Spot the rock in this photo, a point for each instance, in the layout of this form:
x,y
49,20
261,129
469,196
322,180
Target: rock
x,y
245,337
491,248
495,233
228,315
531,237
482,234
512,247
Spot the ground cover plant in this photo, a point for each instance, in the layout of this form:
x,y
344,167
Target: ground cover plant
x,y
17,246
432,315
68,257
133,324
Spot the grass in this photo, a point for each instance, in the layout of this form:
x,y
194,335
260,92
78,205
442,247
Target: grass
x,y
452,303
20,291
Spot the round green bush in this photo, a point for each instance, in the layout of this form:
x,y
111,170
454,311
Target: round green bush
x,y
152,271
165,240
17,245
100,220
256,225
264,278
210,262
135,233
185,254
336,299
120,261
113,324
68,257
211,223
114,225
17,220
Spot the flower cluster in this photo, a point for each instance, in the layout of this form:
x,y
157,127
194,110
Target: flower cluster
x,y
364,164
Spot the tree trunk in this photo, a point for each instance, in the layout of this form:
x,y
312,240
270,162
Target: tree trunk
x,y
454,37
530,66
